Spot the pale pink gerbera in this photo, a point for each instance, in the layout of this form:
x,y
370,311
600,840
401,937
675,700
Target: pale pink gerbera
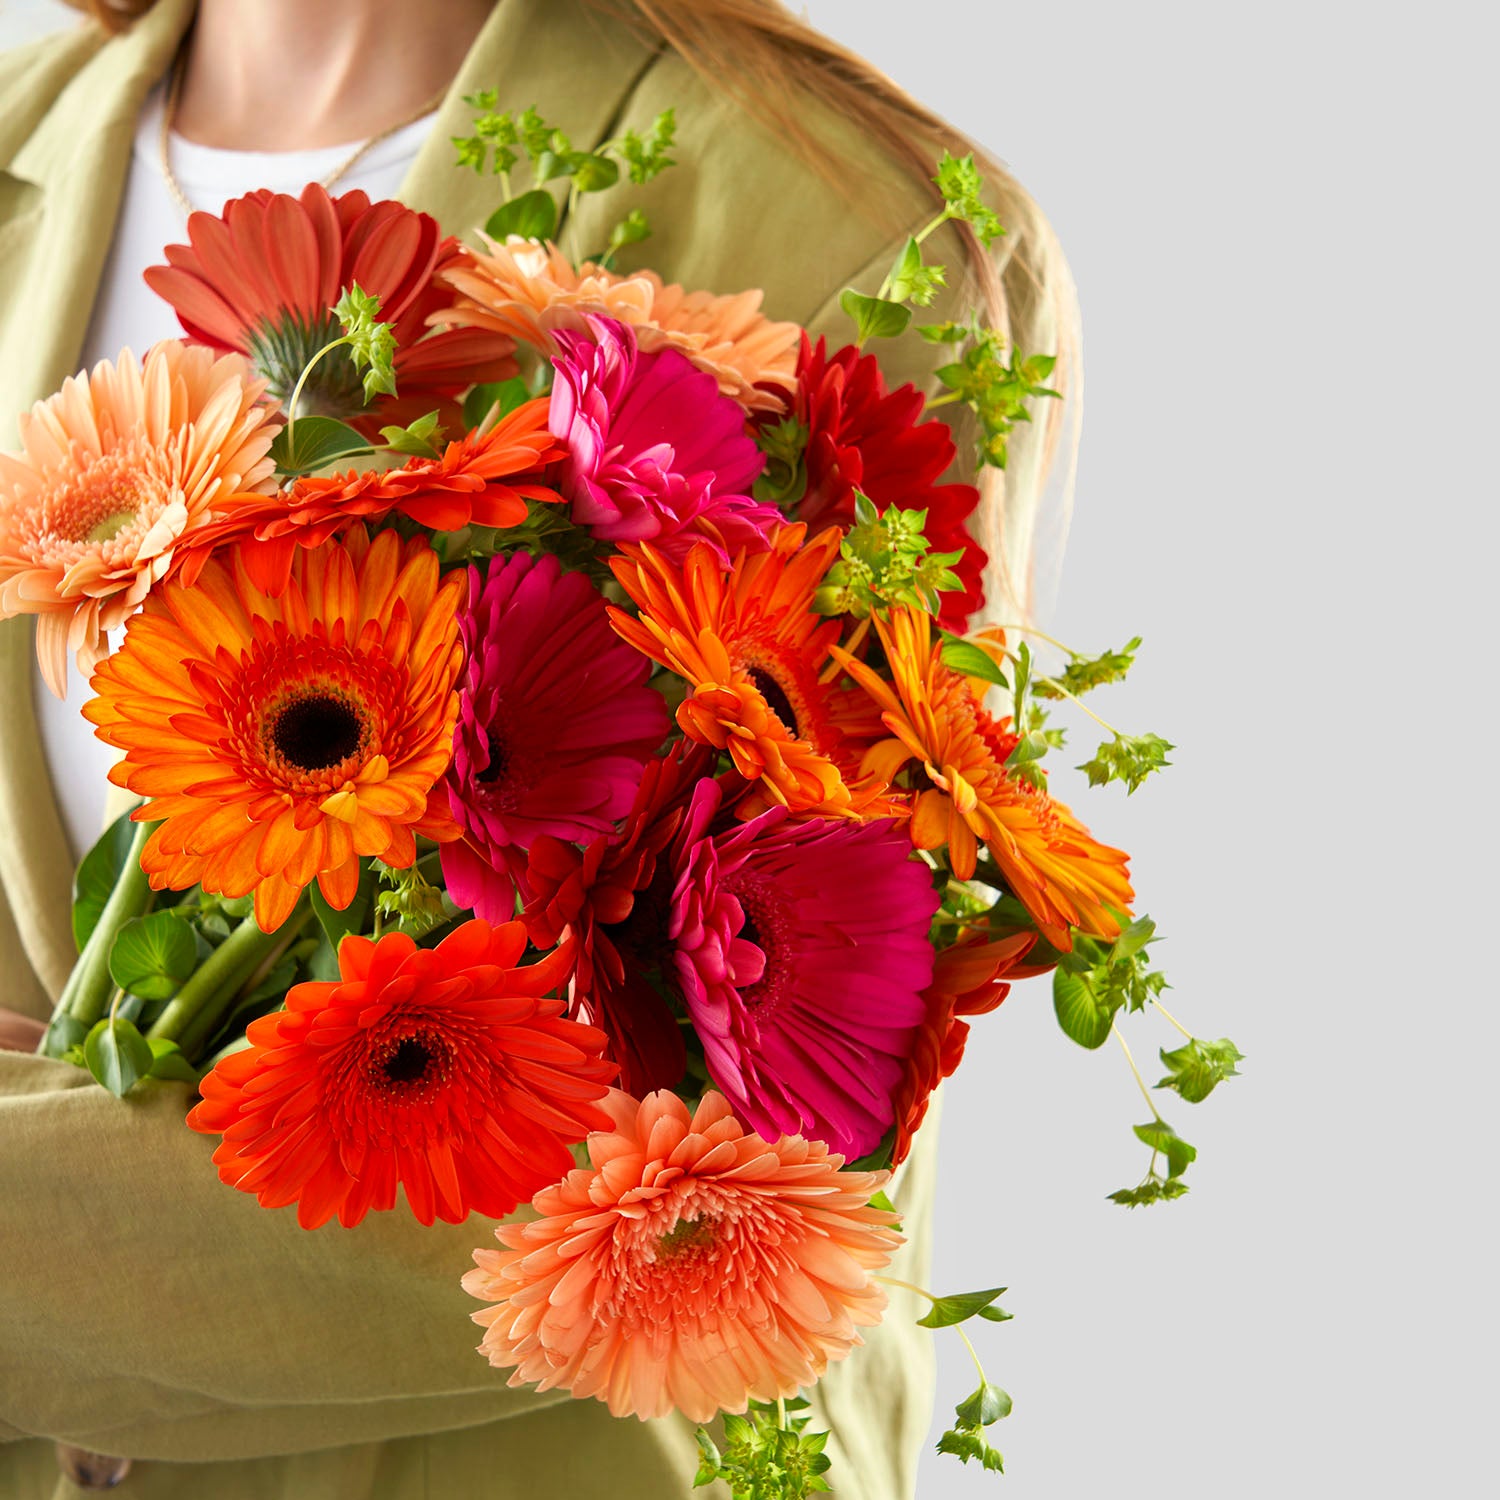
x,y
116,470
655,453
692,1267
803,955
530,291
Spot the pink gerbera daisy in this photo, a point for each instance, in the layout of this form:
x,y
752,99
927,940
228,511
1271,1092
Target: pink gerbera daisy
x,y
555,721
802,953
692,1267
655,453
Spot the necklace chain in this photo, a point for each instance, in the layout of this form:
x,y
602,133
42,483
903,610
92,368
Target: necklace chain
x,y
169,116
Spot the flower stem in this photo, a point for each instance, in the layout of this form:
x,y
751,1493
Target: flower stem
x,y
307,369
89,986
202,1003
1173,1019
1140,1082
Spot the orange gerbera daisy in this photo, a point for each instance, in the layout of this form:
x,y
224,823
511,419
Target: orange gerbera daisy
x,y
751,647
693,1267
484,478
282,739
448,1070
117,471
1050,861
530,291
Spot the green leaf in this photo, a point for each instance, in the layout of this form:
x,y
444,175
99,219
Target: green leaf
x,y
965,1443
995,1314
874,317
531,216
117,1055
1083,1015
878,1159
959,1308
595,173
911,279
1197,1068
97,874
312,443
971,660
962,187
646,155
153,956
1161,1137
169,1062
631,230
1155,1189
506,394
420,439
985,1407
353,918
553,163
1130,758
1085,673
371,343
1134,938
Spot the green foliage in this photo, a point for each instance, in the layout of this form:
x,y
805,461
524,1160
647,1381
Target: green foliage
x,y
421,439
312,443
1153,1188
971,660
1130,758
998,390
784,480
493,139
884,561
353,918
153,956
506,394
874,317
531,216
962,187
1160,1136
412,903
762,1459
959,1308
631,230
911,279
1198,1067
95,880
645,156
371,343
1084,673
965,1439
878,1159
169,1062
881,1201
117,1055
1095,980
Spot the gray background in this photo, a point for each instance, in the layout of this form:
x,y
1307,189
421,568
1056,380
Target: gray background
x,y
1283,229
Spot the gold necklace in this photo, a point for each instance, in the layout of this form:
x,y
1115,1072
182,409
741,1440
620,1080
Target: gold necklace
x,y
169,115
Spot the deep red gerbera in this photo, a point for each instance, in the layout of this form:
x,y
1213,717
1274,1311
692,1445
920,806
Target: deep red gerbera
x,y
263,276
970,978
863,437
611,900
447,1069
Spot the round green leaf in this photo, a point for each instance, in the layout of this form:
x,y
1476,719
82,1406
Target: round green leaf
x,y
1079,1011
153,956
117,1055
312,443
532,216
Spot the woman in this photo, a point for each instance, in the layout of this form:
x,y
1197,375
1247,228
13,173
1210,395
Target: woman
x,y
147,1311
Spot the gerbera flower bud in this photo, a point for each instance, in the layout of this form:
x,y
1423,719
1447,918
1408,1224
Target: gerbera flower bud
x,y
449,1070
282,739
117,472
691,1267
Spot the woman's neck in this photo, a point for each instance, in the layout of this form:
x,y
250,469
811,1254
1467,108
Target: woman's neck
x,y
283,75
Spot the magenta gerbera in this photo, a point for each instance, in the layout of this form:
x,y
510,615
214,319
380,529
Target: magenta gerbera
x,y
655,452
555,722
802,952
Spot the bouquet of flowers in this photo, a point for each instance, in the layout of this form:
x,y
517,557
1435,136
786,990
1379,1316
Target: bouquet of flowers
x,y
567,776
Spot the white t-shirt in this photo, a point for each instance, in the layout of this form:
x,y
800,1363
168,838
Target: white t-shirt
x,y
128,315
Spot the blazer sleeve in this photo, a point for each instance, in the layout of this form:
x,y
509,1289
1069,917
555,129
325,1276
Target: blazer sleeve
x,y
152,1312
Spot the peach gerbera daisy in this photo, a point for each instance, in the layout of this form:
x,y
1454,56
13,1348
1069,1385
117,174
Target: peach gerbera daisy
x,y
1050,861
116,472
751,648
530,291
692,1267
280,740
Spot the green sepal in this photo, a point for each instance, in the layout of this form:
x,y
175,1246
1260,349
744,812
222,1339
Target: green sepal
x,y
959,1308
874,317
530,216
153,956
117,1055
312,443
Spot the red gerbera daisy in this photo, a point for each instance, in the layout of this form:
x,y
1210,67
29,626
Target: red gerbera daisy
x,y
483,479
263,276
862,437
448,1070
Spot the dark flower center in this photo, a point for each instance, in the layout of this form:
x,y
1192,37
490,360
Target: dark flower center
x,y
686,1235
499,759
776,699
316,732
408,1062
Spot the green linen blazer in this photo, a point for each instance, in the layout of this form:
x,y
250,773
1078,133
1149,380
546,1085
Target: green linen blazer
x,y
145,1309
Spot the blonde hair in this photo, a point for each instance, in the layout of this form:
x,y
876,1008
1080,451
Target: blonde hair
x,y
768,59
